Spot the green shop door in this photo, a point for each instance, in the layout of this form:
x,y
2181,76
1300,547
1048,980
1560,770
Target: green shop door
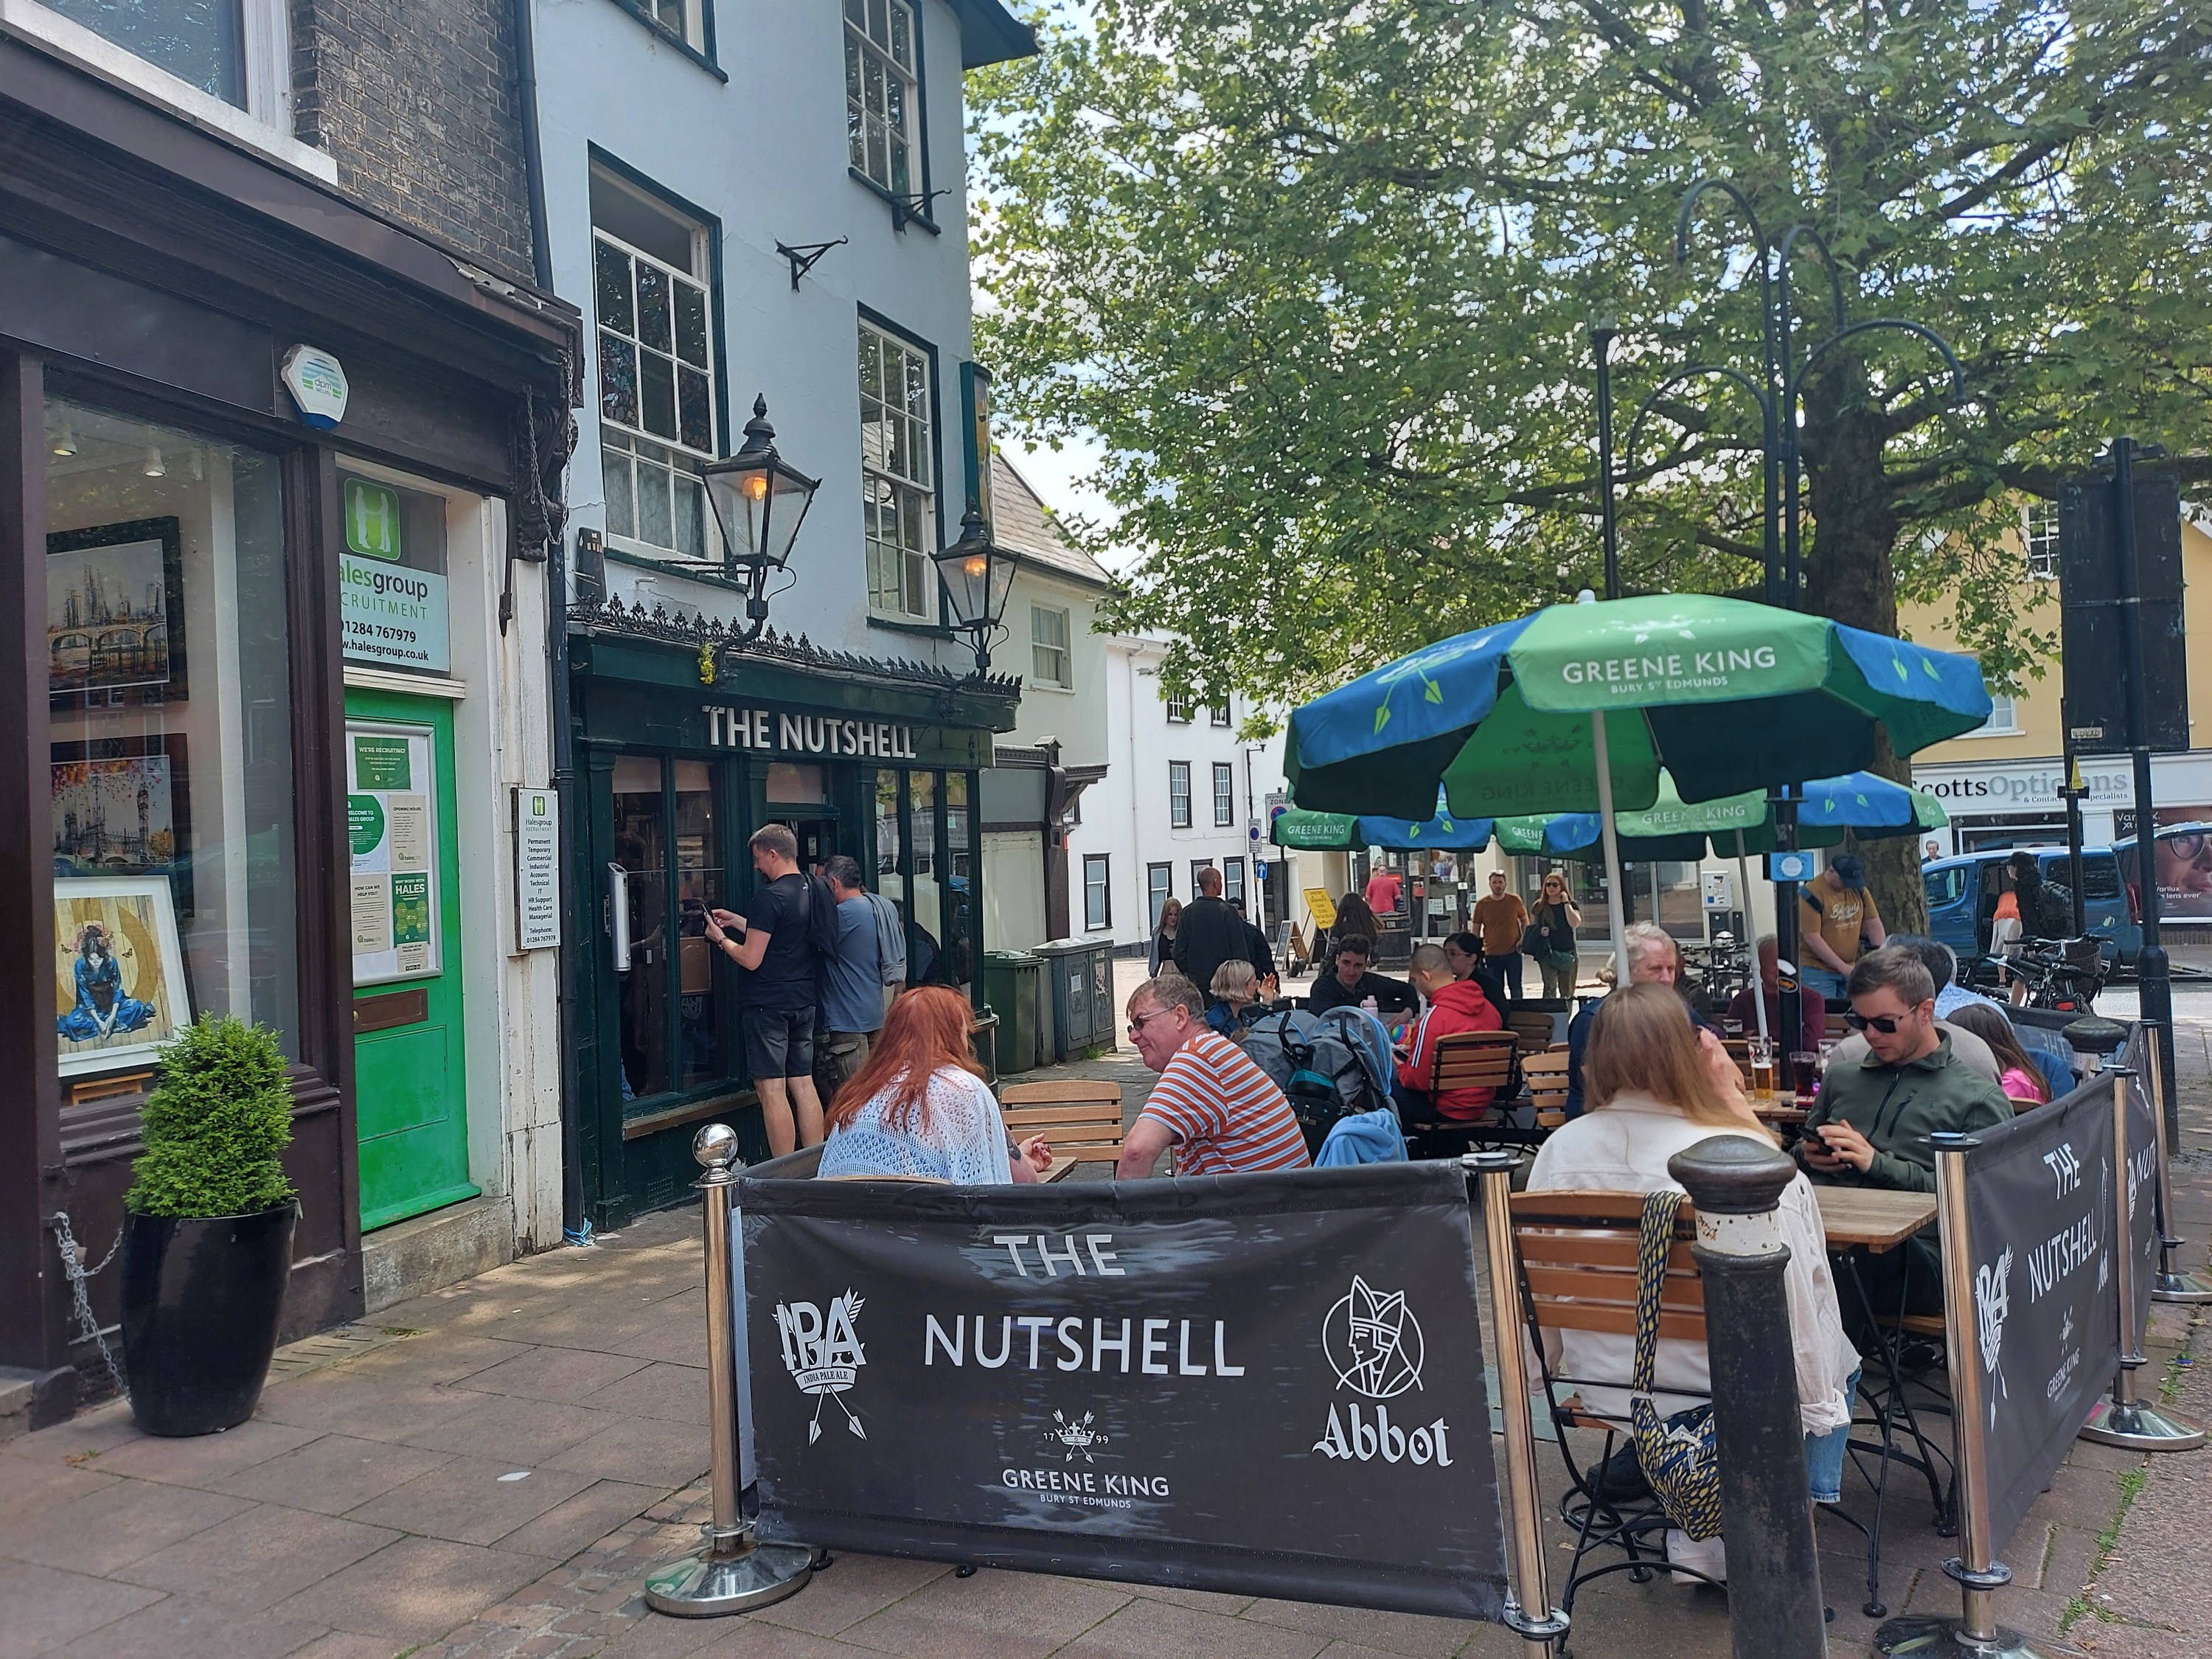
x,y
409,1094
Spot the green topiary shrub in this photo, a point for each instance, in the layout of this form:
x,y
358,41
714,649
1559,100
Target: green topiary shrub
x,y
216,1125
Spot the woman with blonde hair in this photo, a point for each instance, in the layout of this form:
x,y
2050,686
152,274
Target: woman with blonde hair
x,y
1164,936
919,1107
1655,1085
1236,994
1554,920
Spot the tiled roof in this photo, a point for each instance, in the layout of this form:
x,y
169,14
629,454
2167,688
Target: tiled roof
x,y
1022,522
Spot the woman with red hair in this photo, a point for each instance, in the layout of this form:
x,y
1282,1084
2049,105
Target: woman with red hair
x,y
918,1108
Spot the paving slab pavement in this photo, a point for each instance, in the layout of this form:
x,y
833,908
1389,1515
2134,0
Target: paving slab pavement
x,y
491,1470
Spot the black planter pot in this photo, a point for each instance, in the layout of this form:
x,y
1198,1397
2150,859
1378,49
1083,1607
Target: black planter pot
x,y
201,1298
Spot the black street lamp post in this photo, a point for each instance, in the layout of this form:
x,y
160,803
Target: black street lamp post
x,y
759,501
977,575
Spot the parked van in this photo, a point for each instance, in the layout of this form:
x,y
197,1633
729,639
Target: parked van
x,y
1962,899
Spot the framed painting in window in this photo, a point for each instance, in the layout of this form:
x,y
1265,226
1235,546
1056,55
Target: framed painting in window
x,y
115,608
118,971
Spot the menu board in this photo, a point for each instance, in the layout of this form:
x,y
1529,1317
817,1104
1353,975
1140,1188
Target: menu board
x,y
392,828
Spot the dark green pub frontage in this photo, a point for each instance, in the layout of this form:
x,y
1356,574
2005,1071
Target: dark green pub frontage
x,y
683,745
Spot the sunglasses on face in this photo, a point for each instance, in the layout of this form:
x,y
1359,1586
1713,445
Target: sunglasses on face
x,y
1137,1026
1885,1024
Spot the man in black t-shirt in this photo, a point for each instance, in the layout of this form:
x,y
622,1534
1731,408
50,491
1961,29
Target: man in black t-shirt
x,y
775,947
1350,985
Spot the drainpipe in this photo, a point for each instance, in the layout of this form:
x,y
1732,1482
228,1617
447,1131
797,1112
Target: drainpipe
x,y
533,155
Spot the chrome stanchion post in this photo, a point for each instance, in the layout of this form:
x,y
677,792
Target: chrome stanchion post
x,y
2122,1419
1766,1502
2173,1284
1524,1537
1976,1633
735,1572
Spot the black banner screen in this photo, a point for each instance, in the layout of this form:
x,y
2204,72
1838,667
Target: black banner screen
x,y
1270,1384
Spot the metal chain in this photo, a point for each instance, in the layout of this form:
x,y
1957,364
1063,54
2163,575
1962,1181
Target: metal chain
x,y
88,1322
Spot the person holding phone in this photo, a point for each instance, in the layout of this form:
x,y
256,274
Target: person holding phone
x,y
1870,1125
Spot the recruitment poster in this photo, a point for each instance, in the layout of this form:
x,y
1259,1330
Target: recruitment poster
x,y
1266,1384
391,830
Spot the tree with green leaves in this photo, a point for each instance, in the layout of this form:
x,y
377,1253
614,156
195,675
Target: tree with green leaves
x,y
1320,279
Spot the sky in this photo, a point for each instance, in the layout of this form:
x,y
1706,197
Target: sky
x,y
1057,475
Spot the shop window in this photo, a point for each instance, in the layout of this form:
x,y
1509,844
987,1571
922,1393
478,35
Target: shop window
x,y
1232,878
927,916
959,935
898,461
1049,645
655,323
1159,887
1178,794
641,849
1097,895
393,603
167,675
700,887
793,783
882,95
889,839
1224,794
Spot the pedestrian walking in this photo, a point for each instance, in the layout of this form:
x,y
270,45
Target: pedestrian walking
x,y
852,1007
1553,925
1163,938
778,947
1210,933
1354,920
1501,918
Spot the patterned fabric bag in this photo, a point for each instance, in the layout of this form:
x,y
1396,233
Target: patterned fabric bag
x,y
1676,1452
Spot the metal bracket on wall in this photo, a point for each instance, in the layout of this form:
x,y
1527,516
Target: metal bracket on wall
x,y
806,256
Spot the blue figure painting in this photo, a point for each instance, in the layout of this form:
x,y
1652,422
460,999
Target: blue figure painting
x,y
102,1009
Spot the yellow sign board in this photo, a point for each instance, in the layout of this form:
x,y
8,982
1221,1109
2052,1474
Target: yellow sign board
x,y
1322,906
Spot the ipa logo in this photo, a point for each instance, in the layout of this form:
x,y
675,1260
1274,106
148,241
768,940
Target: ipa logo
x,y
822,1354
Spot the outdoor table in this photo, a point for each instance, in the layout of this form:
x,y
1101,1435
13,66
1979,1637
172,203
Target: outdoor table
x,y
1877,1218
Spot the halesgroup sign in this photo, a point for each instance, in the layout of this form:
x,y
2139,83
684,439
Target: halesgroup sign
x,y
1260,1384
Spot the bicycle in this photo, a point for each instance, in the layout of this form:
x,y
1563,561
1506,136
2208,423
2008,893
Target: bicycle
x,y
2063,975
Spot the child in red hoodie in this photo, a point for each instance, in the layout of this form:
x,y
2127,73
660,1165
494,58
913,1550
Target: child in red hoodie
x,y
1455,1005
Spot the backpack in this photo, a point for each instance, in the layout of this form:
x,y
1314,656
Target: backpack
x,y
1313,1060
821,918
2054,911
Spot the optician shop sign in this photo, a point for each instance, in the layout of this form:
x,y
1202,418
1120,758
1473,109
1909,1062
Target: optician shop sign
x,y
2034,786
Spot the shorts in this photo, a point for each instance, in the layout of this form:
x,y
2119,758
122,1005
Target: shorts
x,y
837,1056
1824,1455
779,1042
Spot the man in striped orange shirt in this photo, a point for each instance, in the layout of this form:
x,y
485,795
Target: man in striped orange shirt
x,y
1214,1104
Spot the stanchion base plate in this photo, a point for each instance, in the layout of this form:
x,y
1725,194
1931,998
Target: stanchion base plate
x,y
2140,1427
1922,1635
701,1586
2181,1287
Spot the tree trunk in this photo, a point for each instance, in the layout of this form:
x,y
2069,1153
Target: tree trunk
x,y
1848,577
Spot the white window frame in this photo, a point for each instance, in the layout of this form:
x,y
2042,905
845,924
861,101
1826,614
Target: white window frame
x,y
2038,538
265,40
2004,720
635,442
881,480
1159,887
1097,882
1224,794
1232,879
694,32
1044,671
1178,794
872,66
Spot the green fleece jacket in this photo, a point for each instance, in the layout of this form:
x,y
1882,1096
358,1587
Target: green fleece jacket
x,y
1897,1108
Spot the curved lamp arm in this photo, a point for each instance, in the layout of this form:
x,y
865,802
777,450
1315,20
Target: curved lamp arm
x,y
1942,347
1699,371
1827,261
1729,188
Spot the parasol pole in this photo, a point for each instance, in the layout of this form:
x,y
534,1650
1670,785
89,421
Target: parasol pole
x,y
1611,849
1743,886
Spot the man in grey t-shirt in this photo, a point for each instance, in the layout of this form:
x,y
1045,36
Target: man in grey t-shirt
x,y
851,981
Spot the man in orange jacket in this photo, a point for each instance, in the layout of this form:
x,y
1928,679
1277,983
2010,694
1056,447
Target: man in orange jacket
x,y
1454,1005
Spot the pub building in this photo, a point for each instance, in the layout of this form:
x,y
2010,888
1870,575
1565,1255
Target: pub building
x,y
279,474
685,744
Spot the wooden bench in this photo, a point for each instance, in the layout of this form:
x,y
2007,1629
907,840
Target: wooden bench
x,y
1533,1027
1476,1059
1080,1119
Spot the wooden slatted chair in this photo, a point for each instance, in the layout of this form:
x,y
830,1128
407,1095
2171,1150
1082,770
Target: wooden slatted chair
x,y
1470,1060
1546,1076
1080,1118
1576,1255
1533,1026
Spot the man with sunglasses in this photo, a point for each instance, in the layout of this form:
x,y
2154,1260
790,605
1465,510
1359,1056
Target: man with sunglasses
x,y
1870,1126
1212,1104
